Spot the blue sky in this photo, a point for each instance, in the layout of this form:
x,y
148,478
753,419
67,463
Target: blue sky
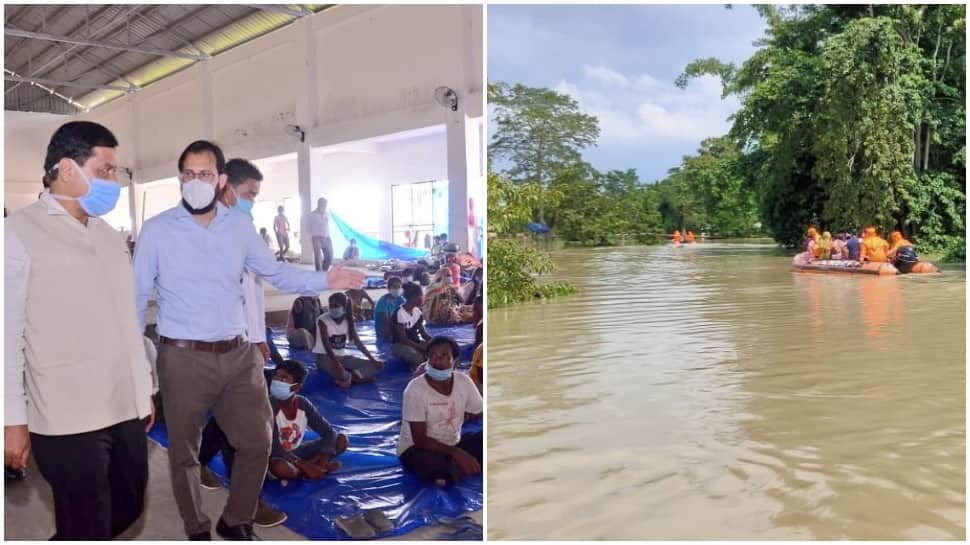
x,y
619,63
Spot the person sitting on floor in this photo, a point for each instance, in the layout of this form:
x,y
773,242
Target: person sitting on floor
x,y
292,457
477,372
410,336
352,253
443,304
473,288
301,325
264,234
386,308
451,263
436,405
363,304
478,316
334,329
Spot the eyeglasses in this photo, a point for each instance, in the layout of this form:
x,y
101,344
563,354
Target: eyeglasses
x,y
204,175
107,172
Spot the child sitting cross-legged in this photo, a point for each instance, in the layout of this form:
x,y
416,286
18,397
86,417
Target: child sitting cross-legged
x,y
292,457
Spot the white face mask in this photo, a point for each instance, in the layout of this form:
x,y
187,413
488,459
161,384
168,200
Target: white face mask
x,y
198,194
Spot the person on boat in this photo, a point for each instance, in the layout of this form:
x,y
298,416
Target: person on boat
x,y
852,246
874,247
675,238
690,237
838,247
824,246
811,243
902,253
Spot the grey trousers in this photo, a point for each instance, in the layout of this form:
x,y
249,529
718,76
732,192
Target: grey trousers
x,y
232,386
300,339
368,369
413,357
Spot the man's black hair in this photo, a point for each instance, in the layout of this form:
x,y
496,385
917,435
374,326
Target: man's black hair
x,y
75,140
239,170
412,290
295,369
395,279
441,339
204,146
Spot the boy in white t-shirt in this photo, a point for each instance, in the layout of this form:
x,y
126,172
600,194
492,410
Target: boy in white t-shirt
x,y
410,336
436,405
335,331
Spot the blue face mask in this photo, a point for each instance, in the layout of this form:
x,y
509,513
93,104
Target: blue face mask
x,y
101,198
245,206
434,373
280,390
395,292
336,313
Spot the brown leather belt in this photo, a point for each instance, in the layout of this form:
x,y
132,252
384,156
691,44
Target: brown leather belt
x,y
218,347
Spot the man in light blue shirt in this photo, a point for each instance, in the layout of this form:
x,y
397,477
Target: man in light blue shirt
x,y
193,256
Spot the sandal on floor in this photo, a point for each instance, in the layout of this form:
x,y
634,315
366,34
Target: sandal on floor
x,y
378,520
356,527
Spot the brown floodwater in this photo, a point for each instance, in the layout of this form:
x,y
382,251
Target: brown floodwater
x,y
707,391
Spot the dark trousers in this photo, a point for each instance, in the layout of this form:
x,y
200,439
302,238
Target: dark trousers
x,y
429,465
322,253
98,479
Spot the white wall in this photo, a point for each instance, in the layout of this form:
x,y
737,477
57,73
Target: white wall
x,y
345,74
357,179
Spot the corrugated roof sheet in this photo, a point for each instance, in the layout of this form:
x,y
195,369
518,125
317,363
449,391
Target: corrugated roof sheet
x,y
194,29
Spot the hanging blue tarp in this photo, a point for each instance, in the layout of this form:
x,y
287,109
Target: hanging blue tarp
x,y
538,227
371,476
370,248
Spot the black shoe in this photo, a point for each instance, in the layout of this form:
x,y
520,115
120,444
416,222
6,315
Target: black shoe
x,y
11,475
201,536
242,532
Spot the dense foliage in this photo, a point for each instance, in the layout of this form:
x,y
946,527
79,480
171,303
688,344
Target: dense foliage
x,y
512,261
854,116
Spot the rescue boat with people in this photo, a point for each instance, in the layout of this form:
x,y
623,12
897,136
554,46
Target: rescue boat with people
x,y
801,263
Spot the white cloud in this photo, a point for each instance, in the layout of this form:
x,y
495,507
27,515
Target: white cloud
x,y
640,111
606,76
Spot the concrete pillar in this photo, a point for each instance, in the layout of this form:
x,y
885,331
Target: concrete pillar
x,y
458,164
306,116
303,170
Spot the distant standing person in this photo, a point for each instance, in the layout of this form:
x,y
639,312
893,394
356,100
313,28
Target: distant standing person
x,y
282,228
319,226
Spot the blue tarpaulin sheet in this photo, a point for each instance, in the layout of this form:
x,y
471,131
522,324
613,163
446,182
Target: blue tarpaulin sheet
x,y
371,476
370,247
